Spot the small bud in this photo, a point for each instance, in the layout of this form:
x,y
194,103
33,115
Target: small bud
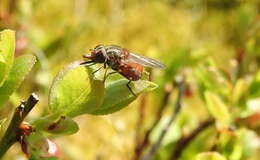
x,y
25,129
53,149
188,91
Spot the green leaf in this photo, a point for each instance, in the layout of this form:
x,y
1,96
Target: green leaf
x,y
39,147
239,145
202,142
209,156
58,125
239,90
217,109
118,96
2,59
7,48
22,66
209,77
75,92
254,89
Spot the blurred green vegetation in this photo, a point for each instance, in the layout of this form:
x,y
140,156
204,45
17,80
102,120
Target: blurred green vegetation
x,y
214,43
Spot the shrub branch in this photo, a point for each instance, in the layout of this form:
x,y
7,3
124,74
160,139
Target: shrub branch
x,y
152,151
12,133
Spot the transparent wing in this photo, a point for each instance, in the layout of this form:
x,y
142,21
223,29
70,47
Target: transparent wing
x,y
145,61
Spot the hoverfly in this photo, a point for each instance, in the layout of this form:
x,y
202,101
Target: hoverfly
x,y
122,61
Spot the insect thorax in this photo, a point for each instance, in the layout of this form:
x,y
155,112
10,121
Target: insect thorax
x,y
115,57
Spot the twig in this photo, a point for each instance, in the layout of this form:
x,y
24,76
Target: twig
x,y
141,146
157,144
182,143
12,6
141,114
12,133
140,119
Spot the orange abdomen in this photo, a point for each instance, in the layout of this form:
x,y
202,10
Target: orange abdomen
x,y
131,71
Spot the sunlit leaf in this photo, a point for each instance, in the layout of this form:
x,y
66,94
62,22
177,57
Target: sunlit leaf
x,y
7,48
74,91
22,66
209,156
239,90
118,96
217,109
2,59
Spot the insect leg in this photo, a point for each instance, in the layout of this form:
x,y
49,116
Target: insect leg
x,y
130,89
88,62
105,74
97,70
108,75
105,64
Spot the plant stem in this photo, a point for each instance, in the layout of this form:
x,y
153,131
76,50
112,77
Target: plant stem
x,y
183,142
145,142
12,133
157,144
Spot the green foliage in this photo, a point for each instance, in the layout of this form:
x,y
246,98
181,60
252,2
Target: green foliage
x,y
209,77
254,89
214,44
38,147
236,146
7,47
75,92
22,66
239,91
56,125
218,109
209,156
118,96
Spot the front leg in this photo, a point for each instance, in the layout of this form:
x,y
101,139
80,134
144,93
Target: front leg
x,y
97,70
108,76
130,89
88,62
105,75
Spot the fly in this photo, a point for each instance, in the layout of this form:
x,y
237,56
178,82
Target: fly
x,y
122,61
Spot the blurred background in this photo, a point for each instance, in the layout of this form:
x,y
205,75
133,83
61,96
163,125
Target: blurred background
x,y
214,43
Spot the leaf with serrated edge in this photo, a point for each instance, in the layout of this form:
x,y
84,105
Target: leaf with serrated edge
x,y
118,96
22,66
7,48
75,92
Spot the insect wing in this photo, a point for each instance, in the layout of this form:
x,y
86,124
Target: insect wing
x,y
145,61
